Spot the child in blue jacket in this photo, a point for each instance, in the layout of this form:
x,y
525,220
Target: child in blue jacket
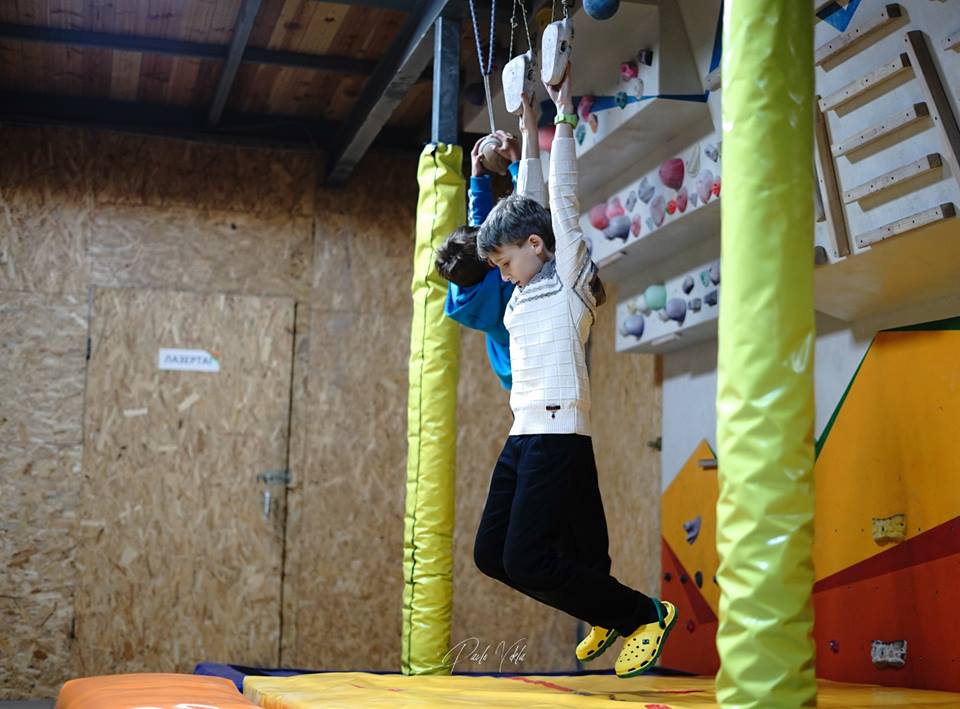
x,y
477,296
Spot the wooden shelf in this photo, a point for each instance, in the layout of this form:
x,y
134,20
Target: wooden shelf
x,y
680,338
917,267
635,140
631,139
678,233
668,335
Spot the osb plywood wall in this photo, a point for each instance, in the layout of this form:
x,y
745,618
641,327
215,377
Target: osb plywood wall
x,y
177,557
83,209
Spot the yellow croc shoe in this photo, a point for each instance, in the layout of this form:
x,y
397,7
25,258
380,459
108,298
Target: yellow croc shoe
x,y
597,640
642,647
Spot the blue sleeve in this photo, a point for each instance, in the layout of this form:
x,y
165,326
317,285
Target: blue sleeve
x,y
481,200
481,306
514,171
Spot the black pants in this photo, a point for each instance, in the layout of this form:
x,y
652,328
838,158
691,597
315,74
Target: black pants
x,y
544,533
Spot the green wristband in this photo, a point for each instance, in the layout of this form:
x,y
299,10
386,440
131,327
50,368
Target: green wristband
x,y
570,118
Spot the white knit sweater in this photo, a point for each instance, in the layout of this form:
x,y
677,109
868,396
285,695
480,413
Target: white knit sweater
x,y
549,319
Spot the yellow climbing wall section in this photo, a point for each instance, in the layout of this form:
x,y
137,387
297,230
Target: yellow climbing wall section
x,y
892,449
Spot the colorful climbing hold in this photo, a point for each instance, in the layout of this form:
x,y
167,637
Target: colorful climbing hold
x,y
580,133
671,173
705,185
633,325
601,9
619,228
598,217
614,208
584,107
676,309
715,273
655,296
658,209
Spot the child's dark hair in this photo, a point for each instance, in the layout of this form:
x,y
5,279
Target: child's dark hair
x,y
512,221
457,258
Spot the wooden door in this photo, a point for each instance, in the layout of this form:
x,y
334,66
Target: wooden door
x,y
180,558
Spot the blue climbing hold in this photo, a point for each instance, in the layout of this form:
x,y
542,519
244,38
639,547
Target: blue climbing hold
x,y
601,9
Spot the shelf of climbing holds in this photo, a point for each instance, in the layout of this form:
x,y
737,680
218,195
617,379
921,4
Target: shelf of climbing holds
x,y
639,93
668,315
667,211
636,91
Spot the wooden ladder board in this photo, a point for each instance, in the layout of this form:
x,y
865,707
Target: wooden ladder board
x,y
848,39
865,83
891,124
944,120
818,5
829,186
712,80
894,177
944,211
952,40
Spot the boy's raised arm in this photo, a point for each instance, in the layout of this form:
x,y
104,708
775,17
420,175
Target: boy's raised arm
x,y
571,250
530,180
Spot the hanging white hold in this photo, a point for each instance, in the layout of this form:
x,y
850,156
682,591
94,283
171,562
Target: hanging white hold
x,y
556,48
519,78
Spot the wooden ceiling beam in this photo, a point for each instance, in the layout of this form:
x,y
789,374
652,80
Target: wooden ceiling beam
x,y
404,62
197,50
186,122
246,16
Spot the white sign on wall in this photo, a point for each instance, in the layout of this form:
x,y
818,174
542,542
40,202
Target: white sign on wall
x,y
187,360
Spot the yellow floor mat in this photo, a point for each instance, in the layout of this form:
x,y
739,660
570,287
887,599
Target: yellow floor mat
x,y
358,689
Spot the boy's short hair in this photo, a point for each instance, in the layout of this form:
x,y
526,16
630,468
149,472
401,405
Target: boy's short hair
x,y
512,221
457,258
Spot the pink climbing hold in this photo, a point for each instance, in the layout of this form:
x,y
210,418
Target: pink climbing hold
x,y
705,185
671,173
658,209
545,137
584,107
598,217
614,208
682,199
635,226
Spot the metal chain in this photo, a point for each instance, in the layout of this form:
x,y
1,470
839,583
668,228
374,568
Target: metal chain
x,y
513,26
476,36
523,13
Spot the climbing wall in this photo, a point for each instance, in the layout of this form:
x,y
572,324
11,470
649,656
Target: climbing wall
x,y
689,563
887,525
